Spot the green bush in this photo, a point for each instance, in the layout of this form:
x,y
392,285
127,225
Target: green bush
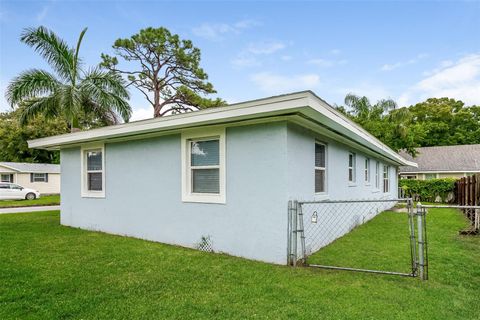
x,y
427,190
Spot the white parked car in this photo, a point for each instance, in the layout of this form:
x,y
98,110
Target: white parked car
x,y
14,191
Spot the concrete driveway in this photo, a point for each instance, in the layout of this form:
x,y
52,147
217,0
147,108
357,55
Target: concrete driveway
x,y
28,209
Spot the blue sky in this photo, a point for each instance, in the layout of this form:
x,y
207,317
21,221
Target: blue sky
x,y
402,50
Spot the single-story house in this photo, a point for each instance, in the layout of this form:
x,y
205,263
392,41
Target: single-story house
x,y
224,174
43,177
442,162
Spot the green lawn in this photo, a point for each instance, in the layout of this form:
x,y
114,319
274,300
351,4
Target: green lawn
x,y
370,246
52,272
42,201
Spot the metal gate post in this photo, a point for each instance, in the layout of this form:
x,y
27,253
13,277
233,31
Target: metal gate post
x,y
302,233
294,233
413,243
289,233
425,244
420,242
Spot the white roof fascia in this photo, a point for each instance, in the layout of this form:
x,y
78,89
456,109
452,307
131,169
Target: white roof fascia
x,y
11,168
305,103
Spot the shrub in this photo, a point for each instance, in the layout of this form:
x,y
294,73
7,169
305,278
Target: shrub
x,y
428,190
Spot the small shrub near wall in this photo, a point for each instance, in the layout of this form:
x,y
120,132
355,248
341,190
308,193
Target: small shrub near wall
x,y
433,190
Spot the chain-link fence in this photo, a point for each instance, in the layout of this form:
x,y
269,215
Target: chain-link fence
x,y
380,236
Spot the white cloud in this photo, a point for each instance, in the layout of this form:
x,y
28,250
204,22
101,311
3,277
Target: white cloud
x,y
245,60
325,63
393,66
42,14
266,47
274,83
335,51
217,31
458,80
141,113
249,56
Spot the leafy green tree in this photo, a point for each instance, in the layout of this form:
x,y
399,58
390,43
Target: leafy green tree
x,y
14,137
434,122
447,122
73,93
387,122
167,71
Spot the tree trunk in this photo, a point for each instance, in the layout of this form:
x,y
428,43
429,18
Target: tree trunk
x,y
156,108
74,127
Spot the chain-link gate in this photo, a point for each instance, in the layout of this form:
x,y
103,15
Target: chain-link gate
x,y
385,236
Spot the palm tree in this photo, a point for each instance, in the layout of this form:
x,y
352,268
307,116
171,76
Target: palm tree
x,y
73,93
364,110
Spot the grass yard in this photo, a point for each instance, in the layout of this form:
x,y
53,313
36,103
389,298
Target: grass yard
x,y
370,245
42,201
49,272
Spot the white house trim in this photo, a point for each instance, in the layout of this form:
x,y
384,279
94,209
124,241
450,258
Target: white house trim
x,y
83,173
305,104
203,134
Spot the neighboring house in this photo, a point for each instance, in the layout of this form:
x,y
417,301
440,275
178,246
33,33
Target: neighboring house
x,y
222,175
42,177
442,162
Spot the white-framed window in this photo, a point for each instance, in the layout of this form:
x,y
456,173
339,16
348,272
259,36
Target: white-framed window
x,y
386,178
6,177
367,170
351,167
377,175
39,177
93,171
203,166
430,176
320,167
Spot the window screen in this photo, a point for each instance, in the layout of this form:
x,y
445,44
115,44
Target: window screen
x,y
205,166
320,167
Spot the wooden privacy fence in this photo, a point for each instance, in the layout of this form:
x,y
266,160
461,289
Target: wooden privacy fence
x,y
467,193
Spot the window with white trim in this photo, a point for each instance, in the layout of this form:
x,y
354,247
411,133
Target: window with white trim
x,y
203,173
39,177
367,170
93,171
377,175
430,176
320,167
351,167
6,177
386,178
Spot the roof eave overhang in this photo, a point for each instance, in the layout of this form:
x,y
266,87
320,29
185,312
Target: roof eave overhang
x,y
304,105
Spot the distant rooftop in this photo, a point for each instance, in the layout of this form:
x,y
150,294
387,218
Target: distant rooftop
x,y
32,167
463,158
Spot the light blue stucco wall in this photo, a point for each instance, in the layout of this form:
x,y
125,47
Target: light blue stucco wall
x,y
301,160
334,219
266,165
143,194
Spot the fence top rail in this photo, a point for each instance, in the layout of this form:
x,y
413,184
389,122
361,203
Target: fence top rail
x,y
447,206
358,201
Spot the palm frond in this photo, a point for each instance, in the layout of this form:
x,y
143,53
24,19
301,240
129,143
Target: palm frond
x,y
387,104
29,84
47,106
351,100
77,50
56,51
108,93
107,80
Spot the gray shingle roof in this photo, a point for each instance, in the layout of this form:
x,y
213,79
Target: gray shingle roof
x,y
32,167
445,158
